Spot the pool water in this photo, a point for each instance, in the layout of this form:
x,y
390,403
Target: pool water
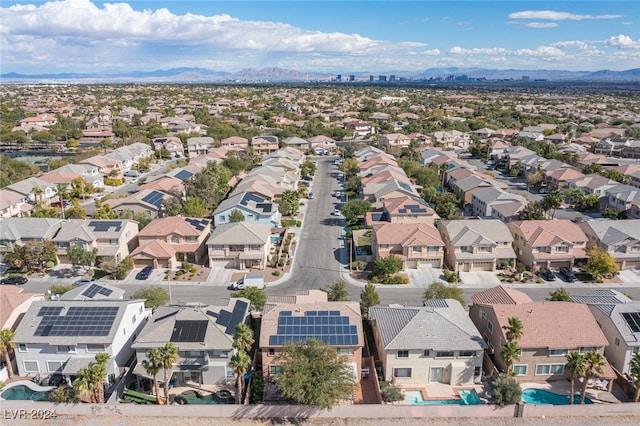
x,y
467,397
541,396
193,397
23,393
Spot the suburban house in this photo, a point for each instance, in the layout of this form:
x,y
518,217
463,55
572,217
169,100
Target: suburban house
x,y
113,239
548,244
369,151
476,245
240,245
17,231
265,144
403,210
63,336
235,143
90,173
34,189
98,290
105,165
296,142
593,184
165,184
308,315
203,335
147,202
619,238
172,144
417,244
621,197
483,200
253,208
465,187
200,145
14,204
181,238
376,193
14,303
393,140
619,318
359,128
560,178
436,343
550,330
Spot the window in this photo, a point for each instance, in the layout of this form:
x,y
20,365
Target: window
x,y
617,342
403,354
345,351
562,249
490,327
417,249
219,354
124,331
384,246
549,369
236,248
66,349
53,366
141,308
484,249
584,349
254,247
274,370
191,239
31,366
466,354
113,242
558,352
433,249
445,354
174,239
519,370
272,352
477,371
22,347
426,353
218,247
502,342
133,319
402,372
95,348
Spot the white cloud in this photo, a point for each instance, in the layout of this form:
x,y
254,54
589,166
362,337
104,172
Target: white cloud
x,y
541,51
541,25
457,50
623,41
432,52
557,16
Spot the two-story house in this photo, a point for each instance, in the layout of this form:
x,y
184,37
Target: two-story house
x,y
436,343
393,140
550,330
548,244
235,143
484,200
476,245
403,210
203,335
168,241
253,208
620,238
240,245
265,144
417,244
17,231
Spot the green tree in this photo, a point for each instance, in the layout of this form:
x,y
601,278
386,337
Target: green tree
x,y
63,193
169,355
575,366
239,362
506,390
308,168
32,256
634,371
235,165
80,188
99,370
236,216
6,346
594,364
439,290
559,295
444,203
195,207
385,266
289,204
154,296
256,297
513,329
600,262
353,209
152,365
337,292
368,297
12,171
243,338
58,290
79,257
390,392
76,211
124,267
64,394
509,353
532,211
551,202
84,384
314,374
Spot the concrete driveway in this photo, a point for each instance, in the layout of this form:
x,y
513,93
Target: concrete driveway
x,y
479,279
424,277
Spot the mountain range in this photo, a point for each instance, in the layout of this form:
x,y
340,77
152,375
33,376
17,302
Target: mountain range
x,y
274,74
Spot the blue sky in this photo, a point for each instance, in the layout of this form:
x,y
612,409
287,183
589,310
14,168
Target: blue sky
x,y
317,36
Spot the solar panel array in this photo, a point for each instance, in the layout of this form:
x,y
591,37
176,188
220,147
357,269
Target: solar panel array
x,y
199,224
96,289
154,197
265,207
413,208
404,186
189,331
230,320
633,320
49,310
105,225
78,321
183,174
329,327
250,197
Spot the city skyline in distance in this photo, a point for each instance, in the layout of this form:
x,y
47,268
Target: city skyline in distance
x,y
318,37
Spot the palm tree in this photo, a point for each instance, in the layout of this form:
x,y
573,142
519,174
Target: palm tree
x,y
84,383
100,371
576,367
243,338
594,361
168,356
152,365
510,352
634,370
37,193
239,362
552,201
6,346
513,331
62,192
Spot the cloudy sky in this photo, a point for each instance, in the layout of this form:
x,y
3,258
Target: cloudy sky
x,y
317,36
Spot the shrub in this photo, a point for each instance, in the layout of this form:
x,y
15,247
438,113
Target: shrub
x,y
506,390
359,265
276,273
49,265
193,270
510,280
112,182
449,276
391,392
179,273
282,261
395,279
299,223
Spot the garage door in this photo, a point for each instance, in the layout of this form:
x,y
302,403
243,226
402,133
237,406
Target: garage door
x,y
428,264
141,263
482,266
221,263
560,264
632,264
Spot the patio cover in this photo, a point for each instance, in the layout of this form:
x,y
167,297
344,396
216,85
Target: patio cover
x,y
75,363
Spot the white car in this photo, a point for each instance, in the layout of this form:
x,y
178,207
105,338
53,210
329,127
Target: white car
x,y
336,212
99,196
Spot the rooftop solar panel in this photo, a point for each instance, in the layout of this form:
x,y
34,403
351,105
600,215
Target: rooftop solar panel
x,y
237,316
96,289
404,186
183,174
105,225
154,197
189,331
78,321
633,320
327,326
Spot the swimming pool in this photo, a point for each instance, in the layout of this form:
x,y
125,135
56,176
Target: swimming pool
x,y
467,397
541,396
194,397
26,391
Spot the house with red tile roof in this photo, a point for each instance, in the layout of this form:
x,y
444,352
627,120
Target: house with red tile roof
x,y
393,140
550,330
14,302
403,210
548,244
235,143
560,178
417,244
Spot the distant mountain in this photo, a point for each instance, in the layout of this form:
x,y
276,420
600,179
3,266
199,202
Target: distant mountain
x,y
274,74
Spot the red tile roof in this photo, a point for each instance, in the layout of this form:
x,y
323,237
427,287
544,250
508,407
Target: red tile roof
x,y
500,295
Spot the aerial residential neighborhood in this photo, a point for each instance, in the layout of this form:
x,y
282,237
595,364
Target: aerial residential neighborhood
x,y
168,251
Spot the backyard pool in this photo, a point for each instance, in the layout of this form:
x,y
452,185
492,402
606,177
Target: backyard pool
x,y
541,396
467,397
195,397
26,391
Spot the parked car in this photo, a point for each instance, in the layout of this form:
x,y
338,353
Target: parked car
x,y
144,273
568,275
311,195
336,212
548,275
65,203
543,190
14,280
84,281
100,196
338,194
